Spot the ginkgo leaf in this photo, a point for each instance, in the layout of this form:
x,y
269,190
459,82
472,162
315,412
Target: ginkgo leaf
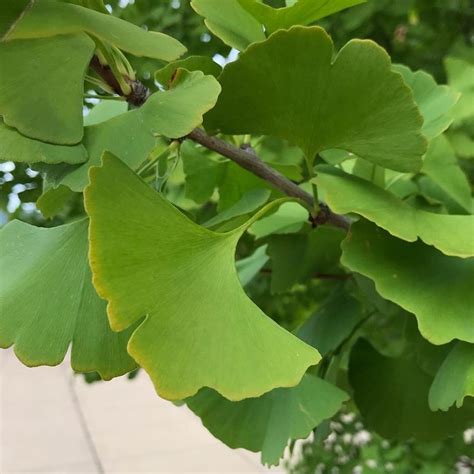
x,y
303,12
435,102
53,200
192,63
267,423
133,135
241,22
290,87
345,193
436,288
47,18
49,109
392,397
176,112
17,147
201,330
230,22
48,301
454,380
442,166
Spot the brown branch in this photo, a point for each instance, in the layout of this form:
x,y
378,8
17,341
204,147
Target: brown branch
x,y
244,157
248,159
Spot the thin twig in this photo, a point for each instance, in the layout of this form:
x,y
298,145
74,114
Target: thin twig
x,y
248,159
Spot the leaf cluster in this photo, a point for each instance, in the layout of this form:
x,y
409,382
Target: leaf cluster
x,y
332,272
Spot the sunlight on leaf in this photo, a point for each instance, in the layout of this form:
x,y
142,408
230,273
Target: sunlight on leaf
x,y
201,330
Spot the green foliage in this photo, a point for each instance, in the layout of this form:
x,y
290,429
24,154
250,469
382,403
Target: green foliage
x,y
313,258
455,379
197,313
396,406
240,23
51,264
347,193
57,98
267,423
385,130
47,18
407,275
433,101
17,147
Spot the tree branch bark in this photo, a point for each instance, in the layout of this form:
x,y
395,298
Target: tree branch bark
x,y
248,159
244,157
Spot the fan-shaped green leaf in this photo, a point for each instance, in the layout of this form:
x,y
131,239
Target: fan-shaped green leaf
x,y
442,166
435,102
290,87
201,330
392,396
303,12
48,18
455,378
437,289
267,423
53,200
132,136
17,147
49,109
230,22
345,193
241,22
48,301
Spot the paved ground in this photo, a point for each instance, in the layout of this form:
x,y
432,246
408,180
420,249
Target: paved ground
x,y
52,422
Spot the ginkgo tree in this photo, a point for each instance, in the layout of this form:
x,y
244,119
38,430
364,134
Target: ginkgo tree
x,y
297,171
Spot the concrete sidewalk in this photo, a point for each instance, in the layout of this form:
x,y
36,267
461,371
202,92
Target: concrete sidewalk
x,y
53,422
